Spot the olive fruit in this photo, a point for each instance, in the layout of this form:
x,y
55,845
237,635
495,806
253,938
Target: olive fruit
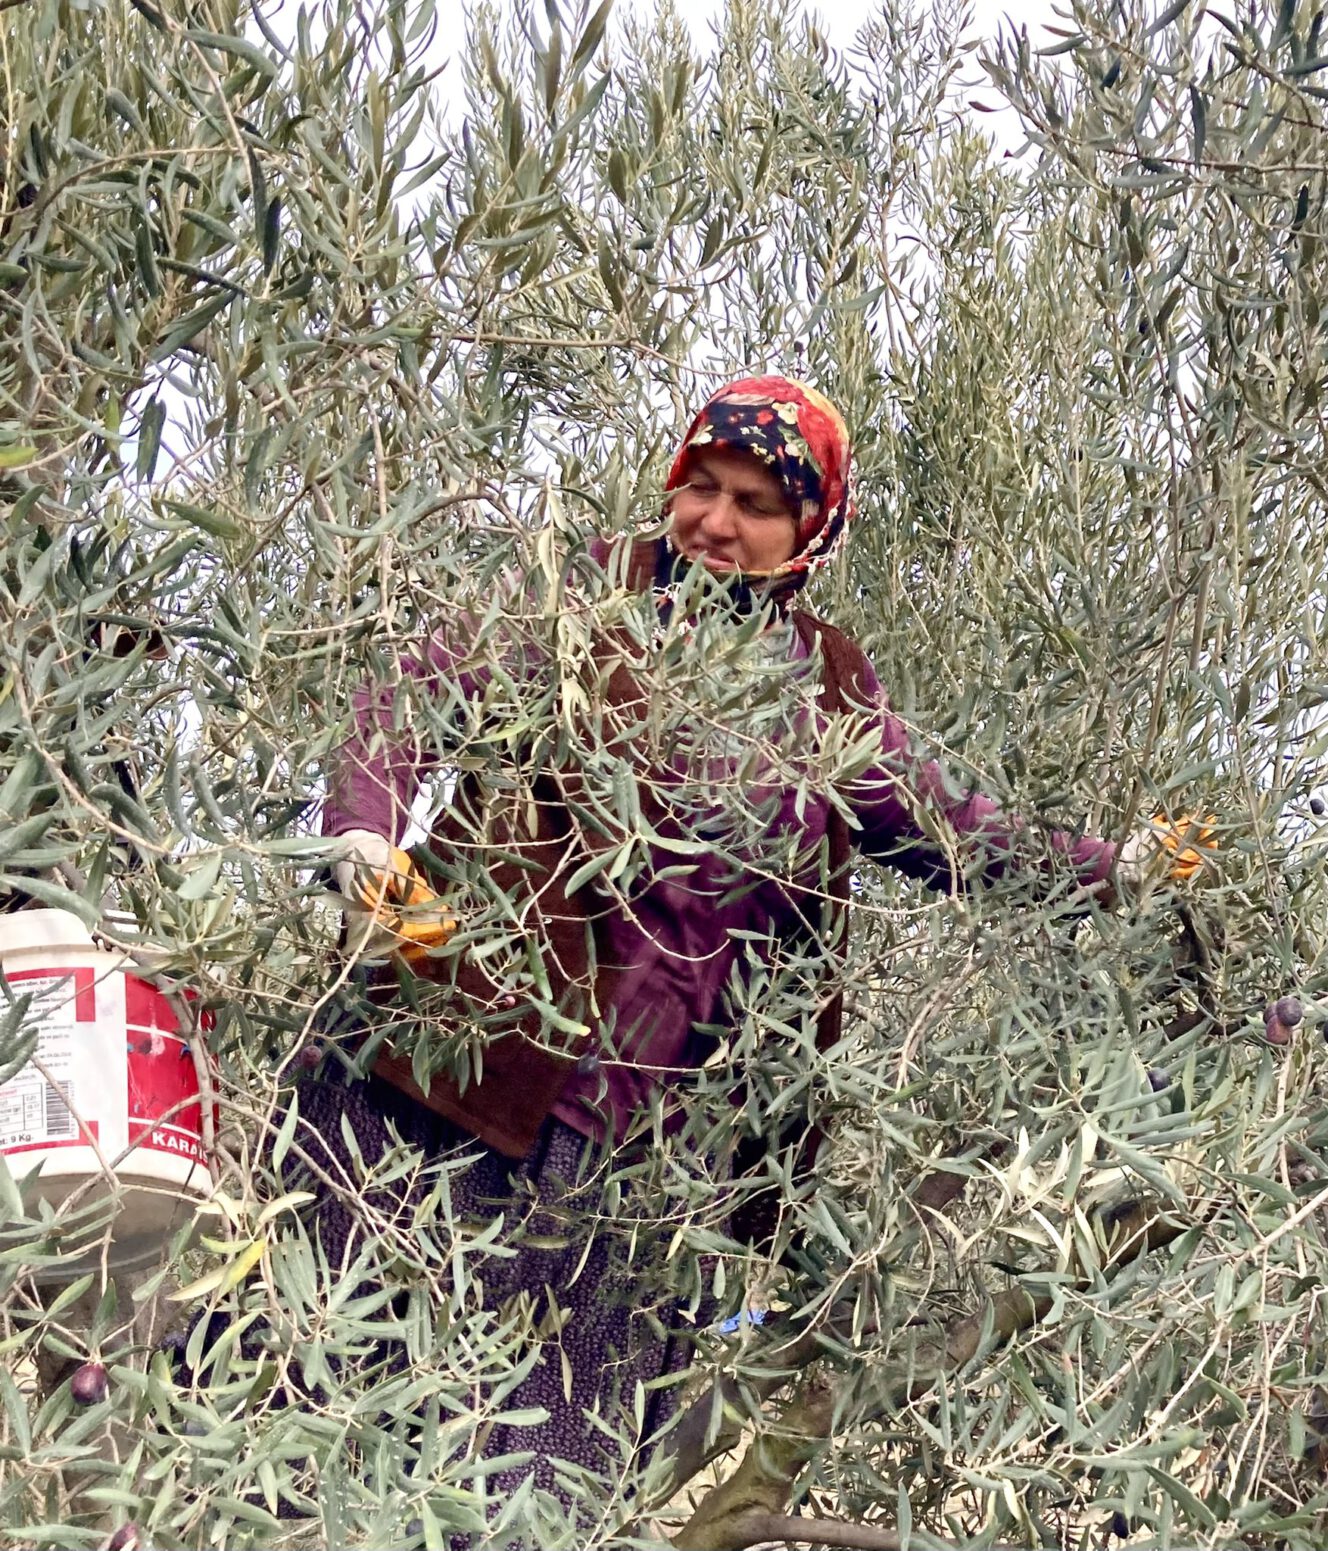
x,y
127,1538
1120,1525
88,1385
1317,807
311,1055
1289,1011
1274,1030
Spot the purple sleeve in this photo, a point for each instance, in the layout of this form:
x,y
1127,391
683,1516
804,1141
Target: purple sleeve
x,y
375,776
889,799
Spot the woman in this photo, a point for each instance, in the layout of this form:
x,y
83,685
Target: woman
x,y
758,498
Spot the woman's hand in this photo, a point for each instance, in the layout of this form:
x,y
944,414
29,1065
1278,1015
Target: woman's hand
x,y
378,877
1166,849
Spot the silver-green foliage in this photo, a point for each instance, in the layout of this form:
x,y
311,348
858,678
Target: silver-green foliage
x,y
293,369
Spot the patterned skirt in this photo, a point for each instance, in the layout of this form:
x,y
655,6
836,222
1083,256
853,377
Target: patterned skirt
x,y
604,1341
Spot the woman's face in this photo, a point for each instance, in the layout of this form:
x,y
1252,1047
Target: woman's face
x,y
732,514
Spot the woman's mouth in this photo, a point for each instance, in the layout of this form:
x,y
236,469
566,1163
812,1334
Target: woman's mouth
x,y
712,561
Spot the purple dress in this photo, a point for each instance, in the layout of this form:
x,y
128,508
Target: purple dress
x,y
679,947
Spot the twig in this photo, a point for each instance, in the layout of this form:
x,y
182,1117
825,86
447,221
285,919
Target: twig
x,y
538,342
207,1092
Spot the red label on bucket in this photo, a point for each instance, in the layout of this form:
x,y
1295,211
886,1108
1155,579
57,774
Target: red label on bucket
x,y
115,1068
165,1113
112,1086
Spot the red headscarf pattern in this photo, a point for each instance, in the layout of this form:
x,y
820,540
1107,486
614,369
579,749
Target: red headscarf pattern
x,y
802,437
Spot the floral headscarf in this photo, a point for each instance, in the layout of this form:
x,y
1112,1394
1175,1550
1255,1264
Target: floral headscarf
x,y
802,437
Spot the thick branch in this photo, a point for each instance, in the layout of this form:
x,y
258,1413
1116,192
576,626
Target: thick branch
x,y
761,1484
785,1528
691,1442
1131,1233
758,1491
939,1187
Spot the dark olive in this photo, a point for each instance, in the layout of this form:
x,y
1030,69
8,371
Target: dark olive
x,y
1120,1525
1289,1011
127,1538
88,1385
1318,807
1158,1079
311,1055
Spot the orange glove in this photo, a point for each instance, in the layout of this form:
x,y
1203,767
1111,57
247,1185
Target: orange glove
x,y
1177,849
1187,840
380,878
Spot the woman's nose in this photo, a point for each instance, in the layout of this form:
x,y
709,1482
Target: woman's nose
x,y
721,515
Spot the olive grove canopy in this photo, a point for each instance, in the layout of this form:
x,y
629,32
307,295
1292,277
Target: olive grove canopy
x,y
293,368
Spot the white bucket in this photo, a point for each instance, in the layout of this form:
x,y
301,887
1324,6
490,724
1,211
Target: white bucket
x,y
118,1072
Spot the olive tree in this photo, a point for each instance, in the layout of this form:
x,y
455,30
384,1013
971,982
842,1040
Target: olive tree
x,y
304,355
